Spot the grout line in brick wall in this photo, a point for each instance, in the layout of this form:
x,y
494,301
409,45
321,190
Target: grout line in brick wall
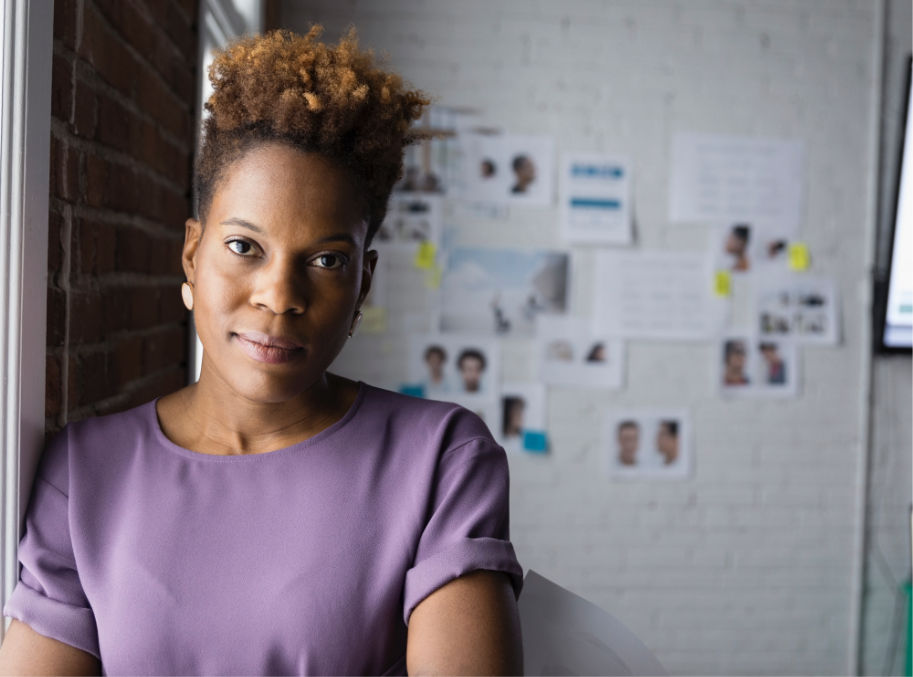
x,y
60,131
118,218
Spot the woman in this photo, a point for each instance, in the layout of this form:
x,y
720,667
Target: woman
x,y
274,518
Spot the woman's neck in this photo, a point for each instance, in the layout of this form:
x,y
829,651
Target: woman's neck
x,y
210,418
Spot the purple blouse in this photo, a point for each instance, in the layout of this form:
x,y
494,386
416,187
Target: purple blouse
x,y
306,560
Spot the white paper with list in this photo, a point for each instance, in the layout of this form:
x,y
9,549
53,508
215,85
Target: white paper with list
x,y
595,199
720,179
563,634
659,295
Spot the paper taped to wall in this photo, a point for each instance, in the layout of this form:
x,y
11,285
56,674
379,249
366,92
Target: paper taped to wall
x,y
595,199
721,178
656,295
563,634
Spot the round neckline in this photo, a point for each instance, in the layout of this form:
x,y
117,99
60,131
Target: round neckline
x,y
251,458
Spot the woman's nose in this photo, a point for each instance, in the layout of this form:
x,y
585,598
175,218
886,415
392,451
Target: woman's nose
x,y
280,288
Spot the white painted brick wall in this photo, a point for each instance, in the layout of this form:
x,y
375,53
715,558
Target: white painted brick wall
x,y
748,568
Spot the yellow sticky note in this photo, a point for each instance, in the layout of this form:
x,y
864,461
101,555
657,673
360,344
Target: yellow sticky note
x,y
798,256
425,256
722,283
433,278
374,320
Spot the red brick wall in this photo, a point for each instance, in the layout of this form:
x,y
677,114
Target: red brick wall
x,y
122,135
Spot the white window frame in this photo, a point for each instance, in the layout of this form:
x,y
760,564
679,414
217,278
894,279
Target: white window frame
x,y
26,49
219,22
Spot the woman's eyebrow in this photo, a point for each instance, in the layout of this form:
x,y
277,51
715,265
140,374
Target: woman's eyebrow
x,y
338,237
241,222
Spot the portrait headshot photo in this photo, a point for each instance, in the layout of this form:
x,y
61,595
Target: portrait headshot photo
x,y
648,444
531,164
471,366
757,368
449,367
735,362
571,354
748,247
524,174
508,168
736,247
522,411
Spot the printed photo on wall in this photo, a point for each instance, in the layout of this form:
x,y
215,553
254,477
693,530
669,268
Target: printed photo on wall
x,y
753,368
454,368
531,163
571,354
744,247
797,307
521,425
650,444
485,173
412,219
502,291
508,168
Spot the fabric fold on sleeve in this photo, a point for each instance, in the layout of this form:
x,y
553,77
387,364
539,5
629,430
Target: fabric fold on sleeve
x,y
468,523
65,623
463,557
49,597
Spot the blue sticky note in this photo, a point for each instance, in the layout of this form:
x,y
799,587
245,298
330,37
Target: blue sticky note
x,y
413,391
535,441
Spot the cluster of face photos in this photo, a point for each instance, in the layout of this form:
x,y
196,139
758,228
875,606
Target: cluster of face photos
x,y
484,294
765,362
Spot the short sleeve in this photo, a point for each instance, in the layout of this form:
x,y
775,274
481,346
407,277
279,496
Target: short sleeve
x,y
49,597
468,527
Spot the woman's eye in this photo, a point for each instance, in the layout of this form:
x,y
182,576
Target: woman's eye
x,y
240,247
330,261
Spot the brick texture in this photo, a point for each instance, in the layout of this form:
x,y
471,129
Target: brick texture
x,y
123,115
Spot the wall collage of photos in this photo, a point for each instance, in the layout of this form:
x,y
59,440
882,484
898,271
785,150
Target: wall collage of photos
x,y
439,309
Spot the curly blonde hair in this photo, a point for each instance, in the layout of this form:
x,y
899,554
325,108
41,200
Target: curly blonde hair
x,y
334,100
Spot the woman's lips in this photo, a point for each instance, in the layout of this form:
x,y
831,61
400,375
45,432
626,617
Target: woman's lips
x,y
269,349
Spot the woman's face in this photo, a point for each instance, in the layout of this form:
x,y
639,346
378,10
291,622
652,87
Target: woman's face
x,y
277,272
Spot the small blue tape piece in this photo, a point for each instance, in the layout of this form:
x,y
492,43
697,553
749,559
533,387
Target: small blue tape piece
x,y
413,391
535,441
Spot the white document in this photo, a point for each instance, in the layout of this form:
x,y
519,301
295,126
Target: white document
x,y
595,199
797,307
719,179
563,634
571,354
656,295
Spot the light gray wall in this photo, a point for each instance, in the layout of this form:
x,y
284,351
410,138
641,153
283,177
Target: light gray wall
x,y
751,567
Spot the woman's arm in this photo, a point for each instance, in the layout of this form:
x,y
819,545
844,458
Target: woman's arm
x,y
25,652
470,626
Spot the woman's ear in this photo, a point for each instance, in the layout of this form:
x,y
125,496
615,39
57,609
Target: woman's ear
x,y
193,232
367,274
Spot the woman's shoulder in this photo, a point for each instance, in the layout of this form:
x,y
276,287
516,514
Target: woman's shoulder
x,y
448,424
96,439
